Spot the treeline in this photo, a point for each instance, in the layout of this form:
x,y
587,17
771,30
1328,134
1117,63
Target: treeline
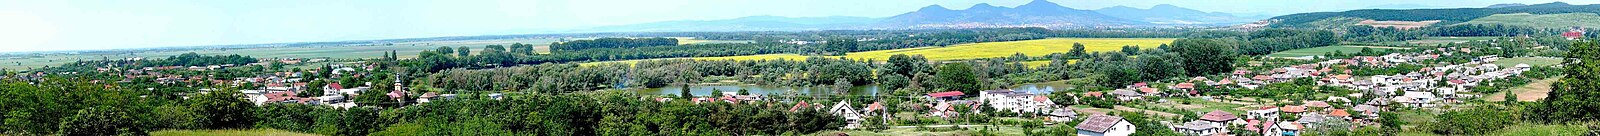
x,y
1267,41
65,106
447,58
192,59
186,59
557,78
612,43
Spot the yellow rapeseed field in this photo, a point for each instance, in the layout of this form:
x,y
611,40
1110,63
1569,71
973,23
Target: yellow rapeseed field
x,y
1032,48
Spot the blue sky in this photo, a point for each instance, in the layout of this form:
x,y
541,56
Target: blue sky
x,y
48,25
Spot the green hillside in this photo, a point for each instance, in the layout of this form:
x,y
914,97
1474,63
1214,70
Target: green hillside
x,y
1448,16
1587,20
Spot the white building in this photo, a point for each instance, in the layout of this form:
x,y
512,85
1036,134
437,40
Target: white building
x,y
1104,125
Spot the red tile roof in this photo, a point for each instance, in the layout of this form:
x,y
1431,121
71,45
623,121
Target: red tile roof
x,y
945,94
874,106
798,106
1185,86
1339,113
1218,116
1148,90
1318,104
1293,109
335,86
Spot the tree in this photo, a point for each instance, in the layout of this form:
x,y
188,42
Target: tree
x,y
1130,50
958,77
841,46
841,86
743,91
445,50
1573,98
1471,121
893,81
222,109
716,93
1157,64
1390,122
1511,99
101,121
463,51
1077,50
1205,56
375,97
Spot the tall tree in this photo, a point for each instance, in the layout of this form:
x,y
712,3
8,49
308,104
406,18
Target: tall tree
x,y
1077,50
101,121
446,50
463,51
1205,56
223,109
1574,97
958,77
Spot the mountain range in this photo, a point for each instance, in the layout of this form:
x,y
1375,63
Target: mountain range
x,y
1169,14
1037,13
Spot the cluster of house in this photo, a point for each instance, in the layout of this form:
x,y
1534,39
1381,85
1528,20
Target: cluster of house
x,y
1574,33
1026,103
1422,88
1268,120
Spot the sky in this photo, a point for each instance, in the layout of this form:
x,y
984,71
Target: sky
x,y
55,25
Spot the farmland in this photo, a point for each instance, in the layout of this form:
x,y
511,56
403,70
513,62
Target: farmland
x,y
1535,61
692,40
1557,21
1032,48
1319,51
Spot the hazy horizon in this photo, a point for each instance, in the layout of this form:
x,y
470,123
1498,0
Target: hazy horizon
x,y
94,25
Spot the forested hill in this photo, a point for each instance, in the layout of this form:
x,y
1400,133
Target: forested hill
x,y
1448,16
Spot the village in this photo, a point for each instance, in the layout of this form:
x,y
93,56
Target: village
x,y
1416,89
1428,87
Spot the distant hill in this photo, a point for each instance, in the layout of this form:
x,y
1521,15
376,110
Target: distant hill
x,y
1505,5
1169,14
1587,20
1402,6
1448,16
752,23
1035,13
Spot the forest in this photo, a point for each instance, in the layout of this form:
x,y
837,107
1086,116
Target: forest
x,y
612,43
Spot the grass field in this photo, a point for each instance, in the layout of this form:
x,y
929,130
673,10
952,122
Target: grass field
x,y
1535,61
1558,21
1033,48
1538,89
1319,51
252,132
1443,40
692,40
